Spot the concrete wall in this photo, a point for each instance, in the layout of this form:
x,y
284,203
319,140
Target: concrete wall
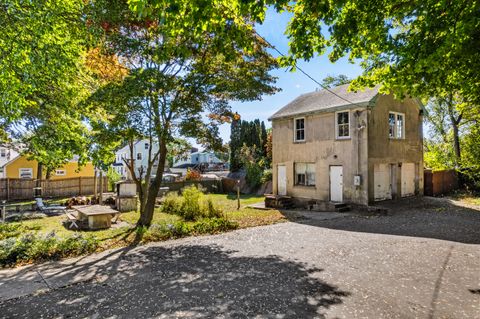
x,y
322,148
384,150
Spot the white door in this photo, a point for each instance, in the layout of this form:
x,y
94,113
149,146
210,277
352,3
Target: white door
x,y
408,179
381,179
282,180
336,183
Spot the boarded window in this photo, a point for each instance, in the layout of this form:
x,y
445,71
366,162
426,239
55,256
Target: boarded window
x,y
305,174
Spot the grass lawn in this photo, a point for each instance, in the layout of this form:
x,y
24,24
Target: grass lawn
x,y
124,235
467,198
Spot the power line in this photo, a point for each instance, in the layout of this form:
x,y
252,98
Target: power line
x,y
305,73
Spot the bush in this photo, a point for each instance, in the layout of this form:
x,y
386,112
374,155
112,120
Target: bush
x,y
14,230
213,225
191,206
192,175
181,229
266,176
32,247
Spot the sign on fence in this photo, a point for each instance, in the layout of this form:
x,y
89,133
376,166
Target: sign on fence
x,y
23,189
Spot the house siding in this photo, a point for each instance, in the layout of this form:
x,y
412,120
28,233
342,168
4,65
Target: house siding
x,y
12,169
384,150
321,147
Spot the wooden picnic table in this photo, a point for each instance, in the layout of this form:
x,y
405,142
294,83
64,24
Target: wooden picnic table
x,y
96,216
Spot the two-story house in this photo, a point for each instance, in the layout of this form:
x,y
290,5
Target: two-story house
x,y
354,147
140,155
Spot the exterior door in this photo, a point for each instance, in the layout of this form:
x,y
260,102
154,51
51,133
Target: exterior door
x,y
282,180
381,179
408,179
336,183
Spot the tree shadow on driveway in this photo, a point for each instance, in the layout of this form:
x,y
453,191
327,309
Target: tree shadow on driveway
x,y
191,281
427,217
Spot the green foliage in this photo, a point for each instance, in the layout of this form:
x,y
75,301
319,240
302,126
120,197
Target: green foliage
x,y
113,177
32,247
165,231
417,48
331,81
192,205
267,176
8,230
251,134
253,164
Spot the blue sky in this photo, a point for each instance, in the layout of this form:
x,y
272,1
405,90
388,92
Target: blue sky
x,y
292,83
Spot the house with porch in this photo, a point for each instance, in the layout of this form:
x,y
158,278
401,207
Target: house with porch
x,y
347,147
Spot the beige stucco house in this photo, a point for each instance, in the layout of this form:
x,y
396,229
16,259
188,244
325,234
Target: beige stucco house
x,y
352,147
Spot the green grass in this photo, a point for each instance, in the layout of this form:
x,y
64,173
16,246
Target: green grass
x,y
125,235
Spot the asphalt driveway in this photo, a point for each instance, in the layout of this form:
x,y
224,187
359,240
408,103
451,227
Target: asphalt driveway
x,y
419,261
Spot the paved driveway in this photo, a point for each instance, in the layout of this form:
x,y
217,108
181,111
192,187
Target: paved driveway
x,y
416,262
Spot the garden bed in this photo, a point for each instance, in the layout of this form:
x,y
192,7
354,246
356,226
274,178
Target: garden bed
x,y
40,239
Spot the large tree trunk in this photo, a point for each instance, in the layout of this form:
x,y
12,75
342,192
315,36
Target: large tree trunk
x,y
146,215
455,120
38,183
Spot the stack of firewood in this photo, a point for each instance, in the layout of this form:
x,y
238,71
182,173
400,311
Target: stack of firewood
x,y
80,200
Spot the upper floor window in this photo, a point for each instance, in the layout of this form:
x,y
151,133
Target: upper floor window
x,y
139,156
60,172
305,174
300,129
396,125
146,146
3,152
342,124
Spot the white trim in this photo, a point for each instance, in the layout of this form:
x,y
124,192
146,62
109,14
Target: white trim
x,y
295,129
60,172
25,170
349,125
396,125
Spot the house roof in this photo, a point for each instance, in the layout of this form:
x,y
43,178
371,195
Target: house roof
x,y
325,100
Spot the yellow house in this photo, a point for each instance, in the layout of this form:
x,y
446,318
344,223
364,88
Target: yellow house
x,y
20,167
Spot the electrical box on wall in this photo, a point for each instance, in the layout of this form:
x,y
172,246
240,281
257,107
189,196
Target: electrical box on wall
x,y
357,180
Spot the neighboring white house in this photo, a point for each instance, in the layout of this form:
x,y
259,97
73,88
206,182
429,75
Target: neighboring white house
x,y
196,158
7,153
140,156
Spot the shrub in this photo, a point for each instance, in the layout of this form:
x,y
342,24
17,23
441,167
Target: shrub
x,y
192,175
172,204
213,225
32,247
267,176
191,206
14,230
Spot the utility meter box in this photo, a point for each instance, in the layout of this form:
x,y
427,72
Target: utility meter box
x,y
357,180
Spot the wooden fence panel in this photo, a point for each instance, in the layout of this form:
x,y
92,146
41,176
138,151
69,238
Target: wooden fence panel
x,y
440,182
22,189
209,186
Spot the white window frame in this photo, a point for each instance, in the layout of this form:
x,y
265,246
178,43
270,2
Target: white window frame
x,y
395,126
336,125
60,172
308,181
146,146
25,169
295,129
141,156
3,152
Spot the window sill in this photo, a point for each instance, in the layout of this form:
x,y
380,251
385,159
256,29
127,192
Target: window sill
x,y
305,186
396,139
343,138
299,142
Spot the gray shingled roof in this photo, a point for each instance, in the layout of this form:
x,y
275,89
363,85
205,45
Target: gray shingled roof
x,y
323,100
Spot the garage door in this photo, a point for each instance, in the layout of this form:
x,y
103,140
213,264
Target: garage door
x,y
408,179
381,178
